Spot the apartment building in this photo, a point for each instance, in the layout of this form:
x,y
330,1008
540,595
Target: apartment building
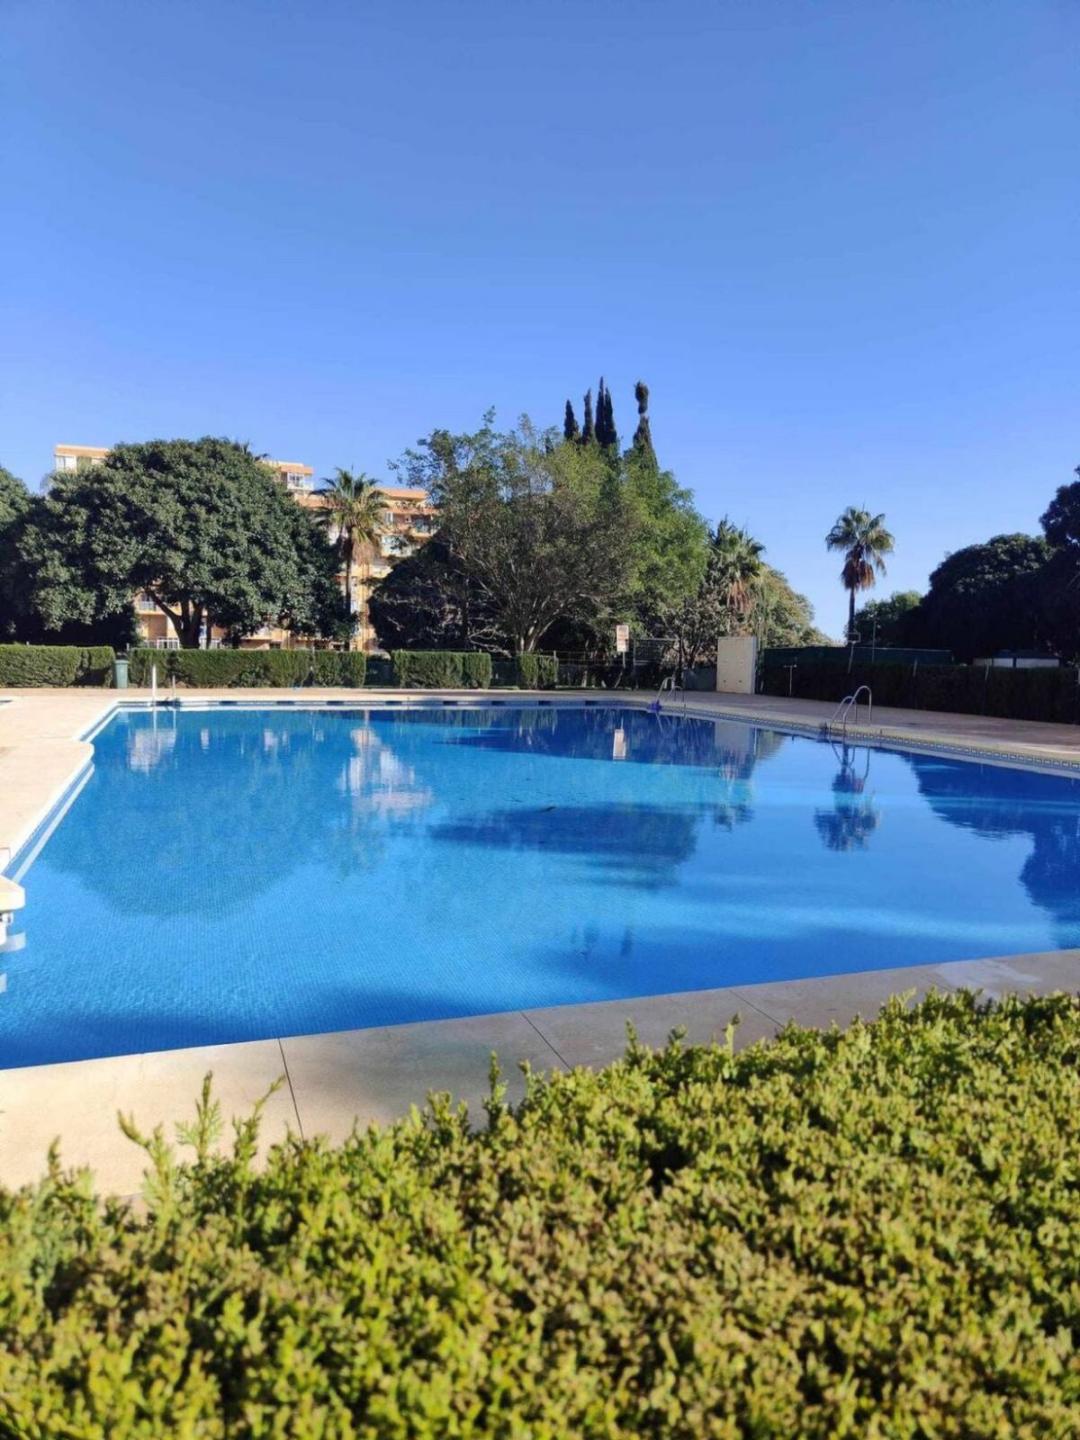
x,y
408,520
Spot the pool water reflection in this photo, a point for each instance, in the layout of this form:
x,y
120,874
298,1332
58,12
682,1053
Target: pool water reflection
x,y
230,875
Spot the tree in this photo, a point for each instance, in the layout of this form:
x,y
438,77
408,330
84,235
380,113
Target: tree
x,y
736,559
1060,588
588,427
888,622
538,527
429,602
781,616
1061,520
669,539
14,499
606,435
354,519
200,526
642,442
571,432
865,542
985,598
14,505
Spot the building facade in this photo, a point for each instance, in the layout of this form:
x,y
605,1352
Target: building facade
x,y
408,520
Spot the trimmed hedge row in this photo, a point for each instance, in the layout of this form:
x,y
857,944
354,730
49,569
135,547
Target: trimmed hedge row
x,y
214,668
32,665
868,1232
442,669
537,672
1037,694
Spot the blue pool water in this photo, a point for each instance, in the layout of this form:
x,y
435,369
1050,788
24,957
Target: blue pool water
x,y
228,875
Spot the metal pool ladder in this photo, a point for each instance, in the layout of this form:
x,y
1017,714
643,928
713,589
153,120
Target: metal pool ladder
x,y
669,684
842,713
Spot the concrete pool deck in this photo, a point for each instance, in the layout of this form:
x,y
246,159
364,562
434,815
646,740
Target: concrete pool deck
x,y
333,1080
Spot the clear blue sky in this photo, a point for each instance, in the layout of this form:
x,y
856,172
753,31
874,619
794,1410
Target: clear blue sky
x,y
839,240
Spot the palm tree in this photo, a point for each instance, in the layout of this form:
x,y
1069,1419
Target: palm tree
x,y
354,514
736,566
865,541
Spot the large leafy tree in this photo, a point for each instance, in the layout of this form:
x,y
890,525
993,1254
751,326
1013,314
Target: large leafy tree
x,y
781,616
985,598
740,594
354,516
201,526
1060,581
890,621
864,542
539,528
429,602
670,539
14,505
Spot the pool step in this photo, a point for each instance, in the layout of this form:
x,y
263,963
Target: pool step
x,y
12,898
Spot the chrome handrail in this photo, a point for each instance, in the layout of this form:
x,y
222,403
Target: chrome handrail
x,y
844,709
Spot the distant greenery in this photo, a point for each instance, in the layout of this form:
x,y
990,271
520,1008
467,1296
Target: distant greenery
x,y
354,519
14,503
201,526
986,598
59,665
533,531
864,542
442,668
208,669
738,594
537,672
889,621
868,1232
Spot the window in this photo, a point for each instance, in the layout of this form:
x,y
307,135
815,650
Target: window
x,y
66,462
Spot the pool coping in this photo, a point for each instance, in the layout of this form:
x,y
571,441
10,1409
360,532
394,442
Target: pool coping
x,y
330,1082
377,1073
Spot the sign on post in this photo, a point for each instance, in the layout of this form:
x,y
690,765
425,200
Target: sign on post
x,y
622,639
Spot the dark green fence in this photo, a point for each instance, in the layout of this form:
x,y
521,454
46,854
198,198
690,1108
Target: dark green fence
x,y
839,657
1035,694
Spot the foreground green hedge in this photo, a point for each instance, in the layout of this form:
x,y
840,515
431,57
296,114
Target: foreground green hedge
x,y
868,1233
213,668
56,665
1038,694
441,669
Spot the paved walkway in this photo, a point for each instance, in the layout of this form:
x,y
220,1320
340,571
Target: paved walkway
x,y
333,1080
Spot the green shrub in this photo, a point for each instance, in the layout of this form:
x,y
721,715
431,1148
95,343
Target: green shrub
x,y
339,667
27,665
441,669
868,1232
96,665
476,670
212,669
537,672
380,671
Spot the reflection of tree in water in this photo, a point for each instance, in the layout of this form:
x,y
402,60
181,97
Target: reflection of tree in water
x,y
238,805
643,842
587,734
639,844
854,816
996,802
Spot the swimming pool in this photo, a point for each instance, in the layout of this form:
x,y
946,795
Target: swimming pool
x,y
234,874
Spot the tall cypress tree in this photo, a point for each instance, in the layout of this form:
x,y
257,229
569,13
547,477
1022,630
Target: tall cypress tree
x,y
588,430
601,415
611,435
643,445
569,425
